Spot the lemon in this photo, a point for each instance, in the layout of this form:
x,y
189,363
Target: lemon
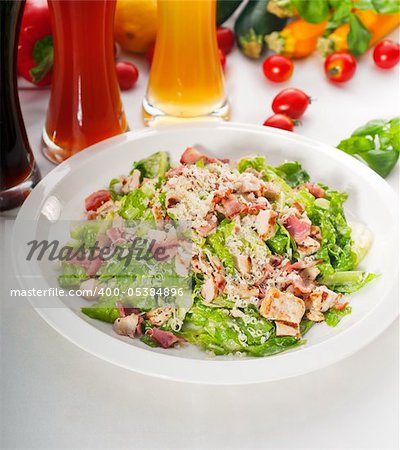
x,y
135,24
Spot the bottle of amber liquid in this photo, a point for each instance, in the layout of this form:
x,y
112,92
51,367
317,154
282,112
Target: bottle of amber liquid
x,y
18,171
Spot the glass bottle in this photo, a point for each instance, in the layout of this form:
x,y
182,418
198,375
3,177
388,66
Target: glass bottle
x,y
85,104
18,170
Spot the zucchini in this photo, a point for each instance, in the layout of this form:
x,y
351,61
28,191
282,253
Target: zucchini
x,y
225,8
253,23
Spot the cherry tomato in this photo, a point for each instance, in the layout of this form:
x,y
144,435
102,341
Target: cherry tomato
x,y
222,58
150,53
278,68
340,67
387,54
226,39
292,102
280,121
127,74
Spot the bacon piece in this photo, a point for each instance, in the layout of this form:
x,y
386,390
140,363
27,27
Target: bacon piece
x,y
115,235
210,224
96,199
254,209
191,155
299,229
94,266
232,206
166,339
315,190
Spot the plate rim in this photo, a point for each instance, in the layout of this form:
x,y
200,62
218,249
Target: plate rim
x,y
191,370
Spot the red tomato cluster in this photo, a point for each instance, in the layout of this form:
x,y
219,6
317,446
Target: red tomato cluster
x,y
288,105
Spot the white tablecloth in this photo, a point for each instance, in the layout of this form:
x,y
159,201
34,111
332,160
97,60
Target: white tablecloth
x,y
54,395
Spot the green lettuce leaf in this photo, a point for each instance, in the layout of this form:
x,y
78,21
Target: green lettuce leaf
x,y
154,166
334,316
135,206
292,173
347,282
216,241
214,330
72,275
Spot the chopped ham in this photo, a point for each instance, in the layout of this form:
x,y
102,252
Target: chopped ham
x,y
232,206
277,305
208,290
159,316
301,287
287,329
121,308
253,209
266,223
315,190
191,155
126,326
166,339
210,223
94,266
103,241
299,229
115,235
98,198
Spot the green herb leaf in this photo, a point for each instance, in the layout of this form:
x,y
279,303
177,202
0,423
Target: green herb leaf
x,y
314,11
359,37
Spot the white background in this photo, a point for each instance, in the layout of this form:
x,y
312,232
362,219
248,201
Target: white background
x,y
54,395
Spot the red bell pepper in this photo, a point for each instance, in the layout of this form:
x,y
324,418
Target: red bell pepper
x,y
35,49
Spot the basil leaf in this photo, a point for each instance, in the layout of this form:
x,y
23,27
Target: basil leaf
x,y
313,11
370,128
340,15
386,6
358,37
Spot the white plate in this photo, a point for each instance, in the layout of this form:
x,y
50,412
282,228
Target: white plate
x,y
371,201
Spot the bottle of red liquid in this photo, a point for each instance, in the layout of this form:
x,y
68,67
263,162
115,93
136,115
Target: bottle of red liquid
x,y
18,171
85,104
